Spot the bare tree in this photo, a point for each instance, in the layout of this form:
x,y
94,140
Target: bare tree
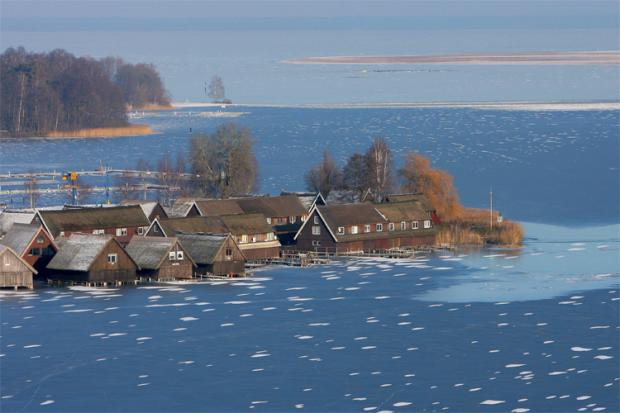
x,y
379,167
224,163
355,175
324,177
216,89
170,177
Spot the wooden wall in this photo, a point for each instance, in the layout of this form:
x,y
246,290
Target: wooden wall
x,y
13,272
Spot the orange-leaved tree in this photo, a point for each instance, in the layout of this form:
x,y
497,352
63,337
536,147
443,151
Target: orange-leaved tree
x,y
437,185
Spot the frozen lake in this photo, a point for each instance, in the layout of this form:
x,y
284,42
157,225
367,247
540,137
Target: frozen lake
x,y
557,167
493,330
496,330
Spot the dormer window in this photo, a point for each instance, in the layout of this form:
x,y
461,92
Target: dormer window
x,y
354,229
379,227
316,219
391,226
292,219
403,226
340,230
269,220
367,228
414,225
427,223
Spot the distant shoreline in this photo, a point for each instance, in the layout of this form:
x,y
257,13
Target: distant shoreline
x,y
524,106
607,57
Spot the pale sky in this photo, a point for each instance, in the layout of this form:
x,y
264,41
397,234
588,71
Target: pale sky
x,y
41,15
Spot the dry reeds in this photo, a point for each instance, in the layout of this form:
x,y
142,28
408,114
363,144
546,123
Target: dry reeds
x,y
129,130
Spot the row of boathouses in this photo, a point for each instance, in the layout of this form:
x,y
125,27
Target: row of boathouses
x,y
106,244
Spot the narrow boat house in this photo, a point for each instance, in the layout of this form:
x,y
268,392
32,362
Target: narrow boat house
x,y
284,213
10,217
122,222
97,259
183,208
161,258
14,271
32,243
152,209
215,254
251,232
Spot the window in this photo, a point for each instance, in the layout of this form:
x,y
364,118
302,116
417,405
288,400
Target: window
x,y
354,229
304,218
270,236
340,230
62,234
112,259
155,228
40,240
379,227
414,225
141,231
172,256
254,238
316,230
316,219
121,232
98,232
403,226
366,228
391,226
35,252
316,243
269,220
292,219
48,251
244,239
180,255
229,253
427,223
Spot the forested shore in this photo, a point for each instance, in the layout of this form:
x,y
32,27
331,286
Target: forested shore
x,y
48,93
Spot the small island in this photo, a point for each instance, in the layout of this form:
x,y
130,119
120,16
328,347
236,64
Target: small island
x,y
59,95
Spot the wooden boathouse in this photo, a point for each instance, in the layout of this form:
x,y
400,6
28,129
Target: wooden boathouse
x,y
215,254
15,272
160,258
91,259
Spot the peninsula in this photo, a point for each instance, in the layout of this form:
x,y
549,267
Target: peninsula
x,y
610,57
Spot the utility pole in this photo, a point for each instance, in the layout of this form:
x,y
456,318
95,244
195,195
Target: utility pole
x,y
491,199
107,186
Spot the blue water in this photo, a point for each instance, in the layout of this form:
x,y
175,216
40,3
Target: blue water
x,y
552,167
354,335
490,330
250,60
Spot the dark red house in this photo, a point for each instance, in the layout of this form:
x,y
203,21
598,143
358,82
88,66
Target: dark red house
x,y
122,222
32,243
365,227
